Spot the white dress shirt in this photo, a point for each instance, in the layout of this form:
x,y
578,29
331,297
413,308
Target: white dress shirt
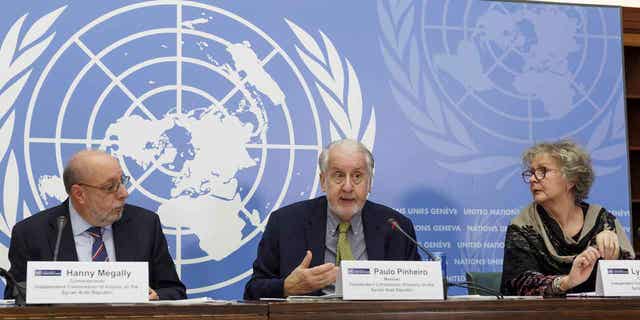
x,y
84,241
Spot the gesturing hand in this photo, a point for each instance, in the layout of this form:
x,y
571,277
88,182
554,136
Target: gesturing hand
x,y
581,269
607,243
153,295
303,279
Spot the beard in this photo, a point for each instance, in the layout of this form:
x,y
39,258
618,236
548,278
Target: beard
x,y
345,214
108,217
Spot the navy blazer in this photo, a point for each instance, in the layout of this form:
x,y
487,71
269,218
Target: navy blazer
x,y
137,236
294,229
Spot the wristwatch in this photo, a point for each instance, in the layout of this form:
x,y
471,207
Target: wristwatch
x,y
556,285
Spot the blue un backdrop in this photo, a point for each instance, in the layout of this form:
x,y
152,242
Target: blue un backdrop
x,y
218,111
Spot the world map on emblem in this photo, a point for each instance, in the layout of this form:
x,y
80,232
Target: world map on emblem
x,y
526,66
203,124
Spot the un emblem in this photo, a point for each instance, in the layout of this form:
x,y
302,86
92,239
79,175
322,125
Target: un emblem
x,y
528,68
214,122
480,81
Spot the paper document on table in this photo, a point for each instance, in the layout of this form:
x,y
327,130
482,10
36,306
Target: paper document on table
x,y
193,301
591,294
523,297
472,297
331,296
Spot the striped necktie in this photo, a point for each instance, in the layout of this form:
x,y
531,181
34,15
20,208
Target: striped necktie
x,y
98,251
344,247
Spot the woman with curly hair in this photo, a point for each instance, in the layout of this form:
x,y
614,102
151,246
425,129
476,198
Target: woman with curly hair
x,y
553,245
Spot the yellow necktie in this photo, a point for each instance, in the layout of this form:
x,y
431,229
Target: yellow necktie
x,y
344,248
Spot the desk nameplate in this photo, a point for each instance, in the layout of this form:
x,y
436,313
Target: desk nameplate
x,y
87,282
618,278
391,280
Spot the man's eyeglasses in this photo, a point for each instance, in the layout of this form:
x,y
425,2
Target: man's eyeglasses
x,y
539,173
340,177
111,188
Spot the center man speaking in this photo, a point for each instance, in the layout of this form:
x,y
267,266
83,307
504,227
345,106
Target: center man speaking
x,y
304,243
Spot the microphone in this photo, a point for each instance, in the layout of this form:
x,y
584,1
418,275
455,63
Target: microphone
x,y
19,290
61,222
396,226
446,284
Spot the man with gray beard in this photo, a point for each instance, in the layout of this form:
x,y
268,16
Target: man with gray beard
x,y
303,243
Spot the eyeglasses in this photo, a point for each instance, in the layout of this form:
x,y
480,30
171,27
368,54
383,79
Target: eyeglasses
x,y
340,177
113,187
539,173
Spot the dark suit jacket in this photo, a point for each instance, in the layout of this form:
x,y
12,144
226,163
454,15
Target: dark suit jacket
x,y
137,236
299,227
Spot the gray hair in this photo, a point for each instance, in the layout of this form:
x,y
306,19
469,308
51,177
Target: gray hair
x,y
575,164
323,160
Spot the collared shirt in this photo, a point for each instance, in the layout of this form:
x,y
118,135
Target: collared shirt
x,y
355,235
84,241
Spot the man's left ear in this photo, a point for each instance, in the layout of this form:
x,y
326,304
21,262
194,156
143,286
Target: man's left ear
x,y
77,193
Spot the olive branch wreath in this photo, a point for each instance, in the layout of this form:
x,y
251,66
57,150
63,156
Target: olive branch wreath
x,y
17,55
337,91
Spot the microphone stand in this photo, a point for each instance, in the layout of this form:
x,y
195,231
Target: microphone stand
x,y
19,289
61,222
445,283
471,285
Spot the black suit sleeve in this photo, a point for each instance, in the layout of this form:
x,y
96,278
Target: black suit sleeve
x,y
267,281
162,272
18,258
